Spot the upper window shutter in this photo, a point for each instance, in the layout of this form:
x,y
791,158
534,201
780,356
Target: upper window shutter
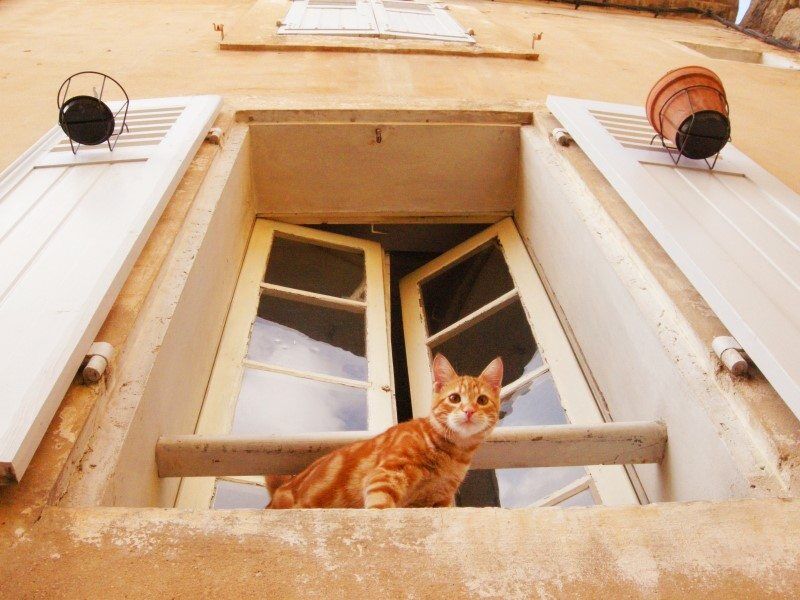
x,y
401,18
734,231
330,17
71,227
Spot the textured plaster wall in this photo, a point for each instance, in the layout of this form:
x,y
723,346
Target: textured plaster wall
x,y
746,549
169,48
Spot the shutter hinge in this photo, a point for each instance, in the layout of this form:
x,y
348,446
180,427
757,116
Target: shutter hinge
x,y
215,135
97,360
731,353
561,136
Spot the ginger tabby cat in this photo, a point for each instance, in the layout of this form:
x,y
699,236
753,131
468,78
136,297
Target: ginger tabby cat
x,y
419,463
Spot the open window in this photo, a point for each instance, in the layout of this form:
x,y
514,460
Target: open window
x,y
296,356
378,18
484,299
304,366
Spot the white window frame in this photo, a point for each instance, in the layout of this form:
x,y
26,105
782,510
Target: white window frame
x,y
221,398
610,484
376,13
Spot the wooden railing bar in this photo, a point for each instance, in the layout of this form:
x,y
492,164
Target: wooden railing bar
x,y
510,447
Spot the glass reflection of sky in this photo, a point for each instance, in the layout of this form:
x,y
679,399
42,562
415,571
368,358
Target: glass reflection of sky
x,y
539,404
273,403
230,494
277,344
583,499
523,487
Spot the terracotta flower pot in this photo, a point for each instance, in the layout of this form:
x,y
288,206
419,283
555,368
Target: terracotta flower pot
x,y
688,107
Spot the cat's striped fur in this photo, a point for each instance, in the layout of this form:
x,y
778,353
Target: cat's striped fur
x,y
414,464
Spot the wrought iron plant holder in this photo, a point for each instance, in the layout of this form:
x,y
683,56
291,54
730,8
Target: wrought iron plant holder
x,y
702,135
88,120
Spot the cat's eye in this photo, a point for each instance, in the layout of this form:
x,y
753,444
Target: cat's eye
x,y
483,400
454,398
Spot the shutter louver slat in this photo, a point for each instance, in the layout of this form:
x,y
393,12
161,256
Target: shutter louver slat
x,y
734,231
413,20
389,18
329,17
71,227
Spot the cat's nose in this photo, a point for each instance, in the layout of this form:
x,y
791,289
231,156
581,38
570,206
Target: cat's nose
x,y
469,412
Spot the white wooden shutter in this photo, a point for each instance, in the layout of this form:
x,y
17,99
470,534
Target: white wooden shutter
x,y
405,19
329,17
71,227
733,231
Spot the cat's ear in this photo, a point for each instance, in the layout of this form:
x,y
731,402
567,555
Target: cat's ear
x,y
443,372
493,373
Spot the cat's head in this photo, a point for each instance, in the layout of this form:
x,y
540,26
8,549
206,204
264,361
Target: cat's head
x,y
466,405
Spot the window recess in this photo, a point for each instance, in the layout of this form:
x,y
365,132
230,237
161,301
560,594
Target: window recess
x,y
275,371
377,18
734,231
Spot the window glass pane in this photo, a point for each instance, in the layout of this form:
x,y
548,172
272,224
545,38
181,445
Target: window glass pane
x,y
320,269
275,403
231,494
465,287
523,487
506,333
583,499
309,338
536,404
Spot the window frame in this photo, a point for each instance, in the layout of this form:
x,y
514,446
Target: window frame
x,y
610,484
224,384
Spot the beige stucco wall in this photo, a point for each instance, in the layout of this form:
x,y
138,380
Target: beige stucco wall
x,y
169,48
162,48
